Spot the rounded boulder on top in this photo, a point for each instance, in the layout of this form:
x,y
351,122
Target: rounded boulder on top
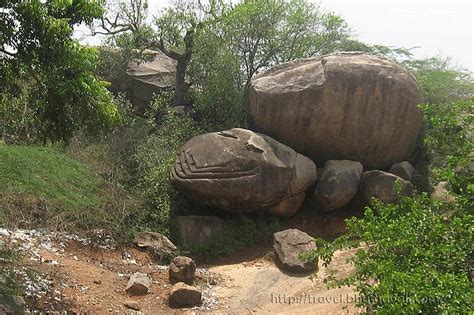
x,y
345,106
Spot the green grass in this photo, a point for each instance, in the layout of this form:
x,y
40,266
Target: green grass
x,y
43,187
48,174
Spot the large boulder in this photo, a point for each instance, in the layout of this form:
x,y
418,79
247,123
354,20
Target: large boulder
x,y
383,186
349,105
241,171
289,245
337,184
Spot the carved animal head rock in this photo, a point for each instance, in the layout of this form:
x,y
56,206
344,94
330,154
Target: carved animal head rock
x,y
241,171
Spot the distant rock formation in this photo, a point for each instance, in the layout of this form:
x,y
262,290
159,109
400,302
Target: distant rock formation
x,y
149,77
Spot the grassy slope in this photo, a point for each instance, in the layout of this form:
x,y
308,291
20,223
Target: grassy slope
x,y
31,176
46,173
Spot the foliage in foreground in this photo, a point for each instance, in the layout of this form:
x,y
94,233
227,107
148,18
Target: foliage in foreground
x,y
9,286
412,260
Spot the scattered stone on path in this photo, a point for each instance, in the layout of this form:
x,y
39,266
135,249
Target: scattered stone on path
x,y
139,284
289,245
403,169
182,294
133,305
182,269
337,185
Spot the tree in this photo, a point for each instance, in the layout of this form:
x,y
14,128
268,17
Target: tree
x,y
249,38
440,81
269,32
36,47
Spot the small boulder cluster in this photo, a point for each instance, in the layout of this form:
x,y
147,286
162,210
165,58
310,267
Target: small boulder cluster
x,y
182,274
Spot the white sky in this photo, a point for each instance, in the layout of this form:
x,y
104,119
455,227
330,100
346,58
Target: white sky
x,y
436,26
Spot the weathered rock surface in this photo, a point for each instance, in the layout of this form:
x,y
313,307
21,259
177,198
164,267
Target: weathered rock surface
x,y
349,105
156,242
139,284
381,185
289,244
183,294
195,230
441,193
182,269
337,184
403,169
241,171
147,78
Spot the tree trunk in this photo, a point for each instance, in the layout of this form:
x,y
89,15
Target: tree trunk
x,y
181,87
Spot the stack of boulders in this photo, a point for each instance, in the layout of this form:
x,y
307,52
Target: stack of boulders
x,y
353,115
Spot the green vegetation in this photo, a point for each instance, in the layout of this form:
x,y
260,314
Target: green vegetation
x,y
41,186
8,285
238,234
52,73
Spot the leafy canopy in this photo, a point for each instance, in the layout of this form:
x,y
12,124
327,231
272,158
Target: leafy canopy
x,y
37,50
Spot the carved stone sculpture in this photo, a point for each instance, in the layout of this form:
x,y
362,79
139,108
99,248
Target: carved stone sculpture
x,y
241,171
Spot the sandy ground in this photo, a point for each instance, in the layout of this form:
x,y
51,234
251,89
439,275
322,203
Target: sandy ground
x,y
90,280
259,287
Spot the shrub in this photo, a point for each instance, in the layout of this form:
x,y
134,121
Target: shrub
x,y
154,158
413,260
238,234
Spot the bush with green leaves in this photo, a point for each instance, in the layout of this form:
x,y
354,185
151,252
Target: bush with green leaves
x,y
411,259
153,160
237,234
37,49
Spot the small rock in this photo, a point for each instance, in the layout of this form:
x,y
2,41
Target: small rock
x,y
97,282
133,305
139,284
403,170
155,241
289,244
182,269
183,294
382,185
441,193
337,185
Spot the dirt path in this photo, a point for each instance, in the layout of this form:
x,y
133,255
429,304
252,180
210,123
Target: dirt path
x,y
260,287
91,280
